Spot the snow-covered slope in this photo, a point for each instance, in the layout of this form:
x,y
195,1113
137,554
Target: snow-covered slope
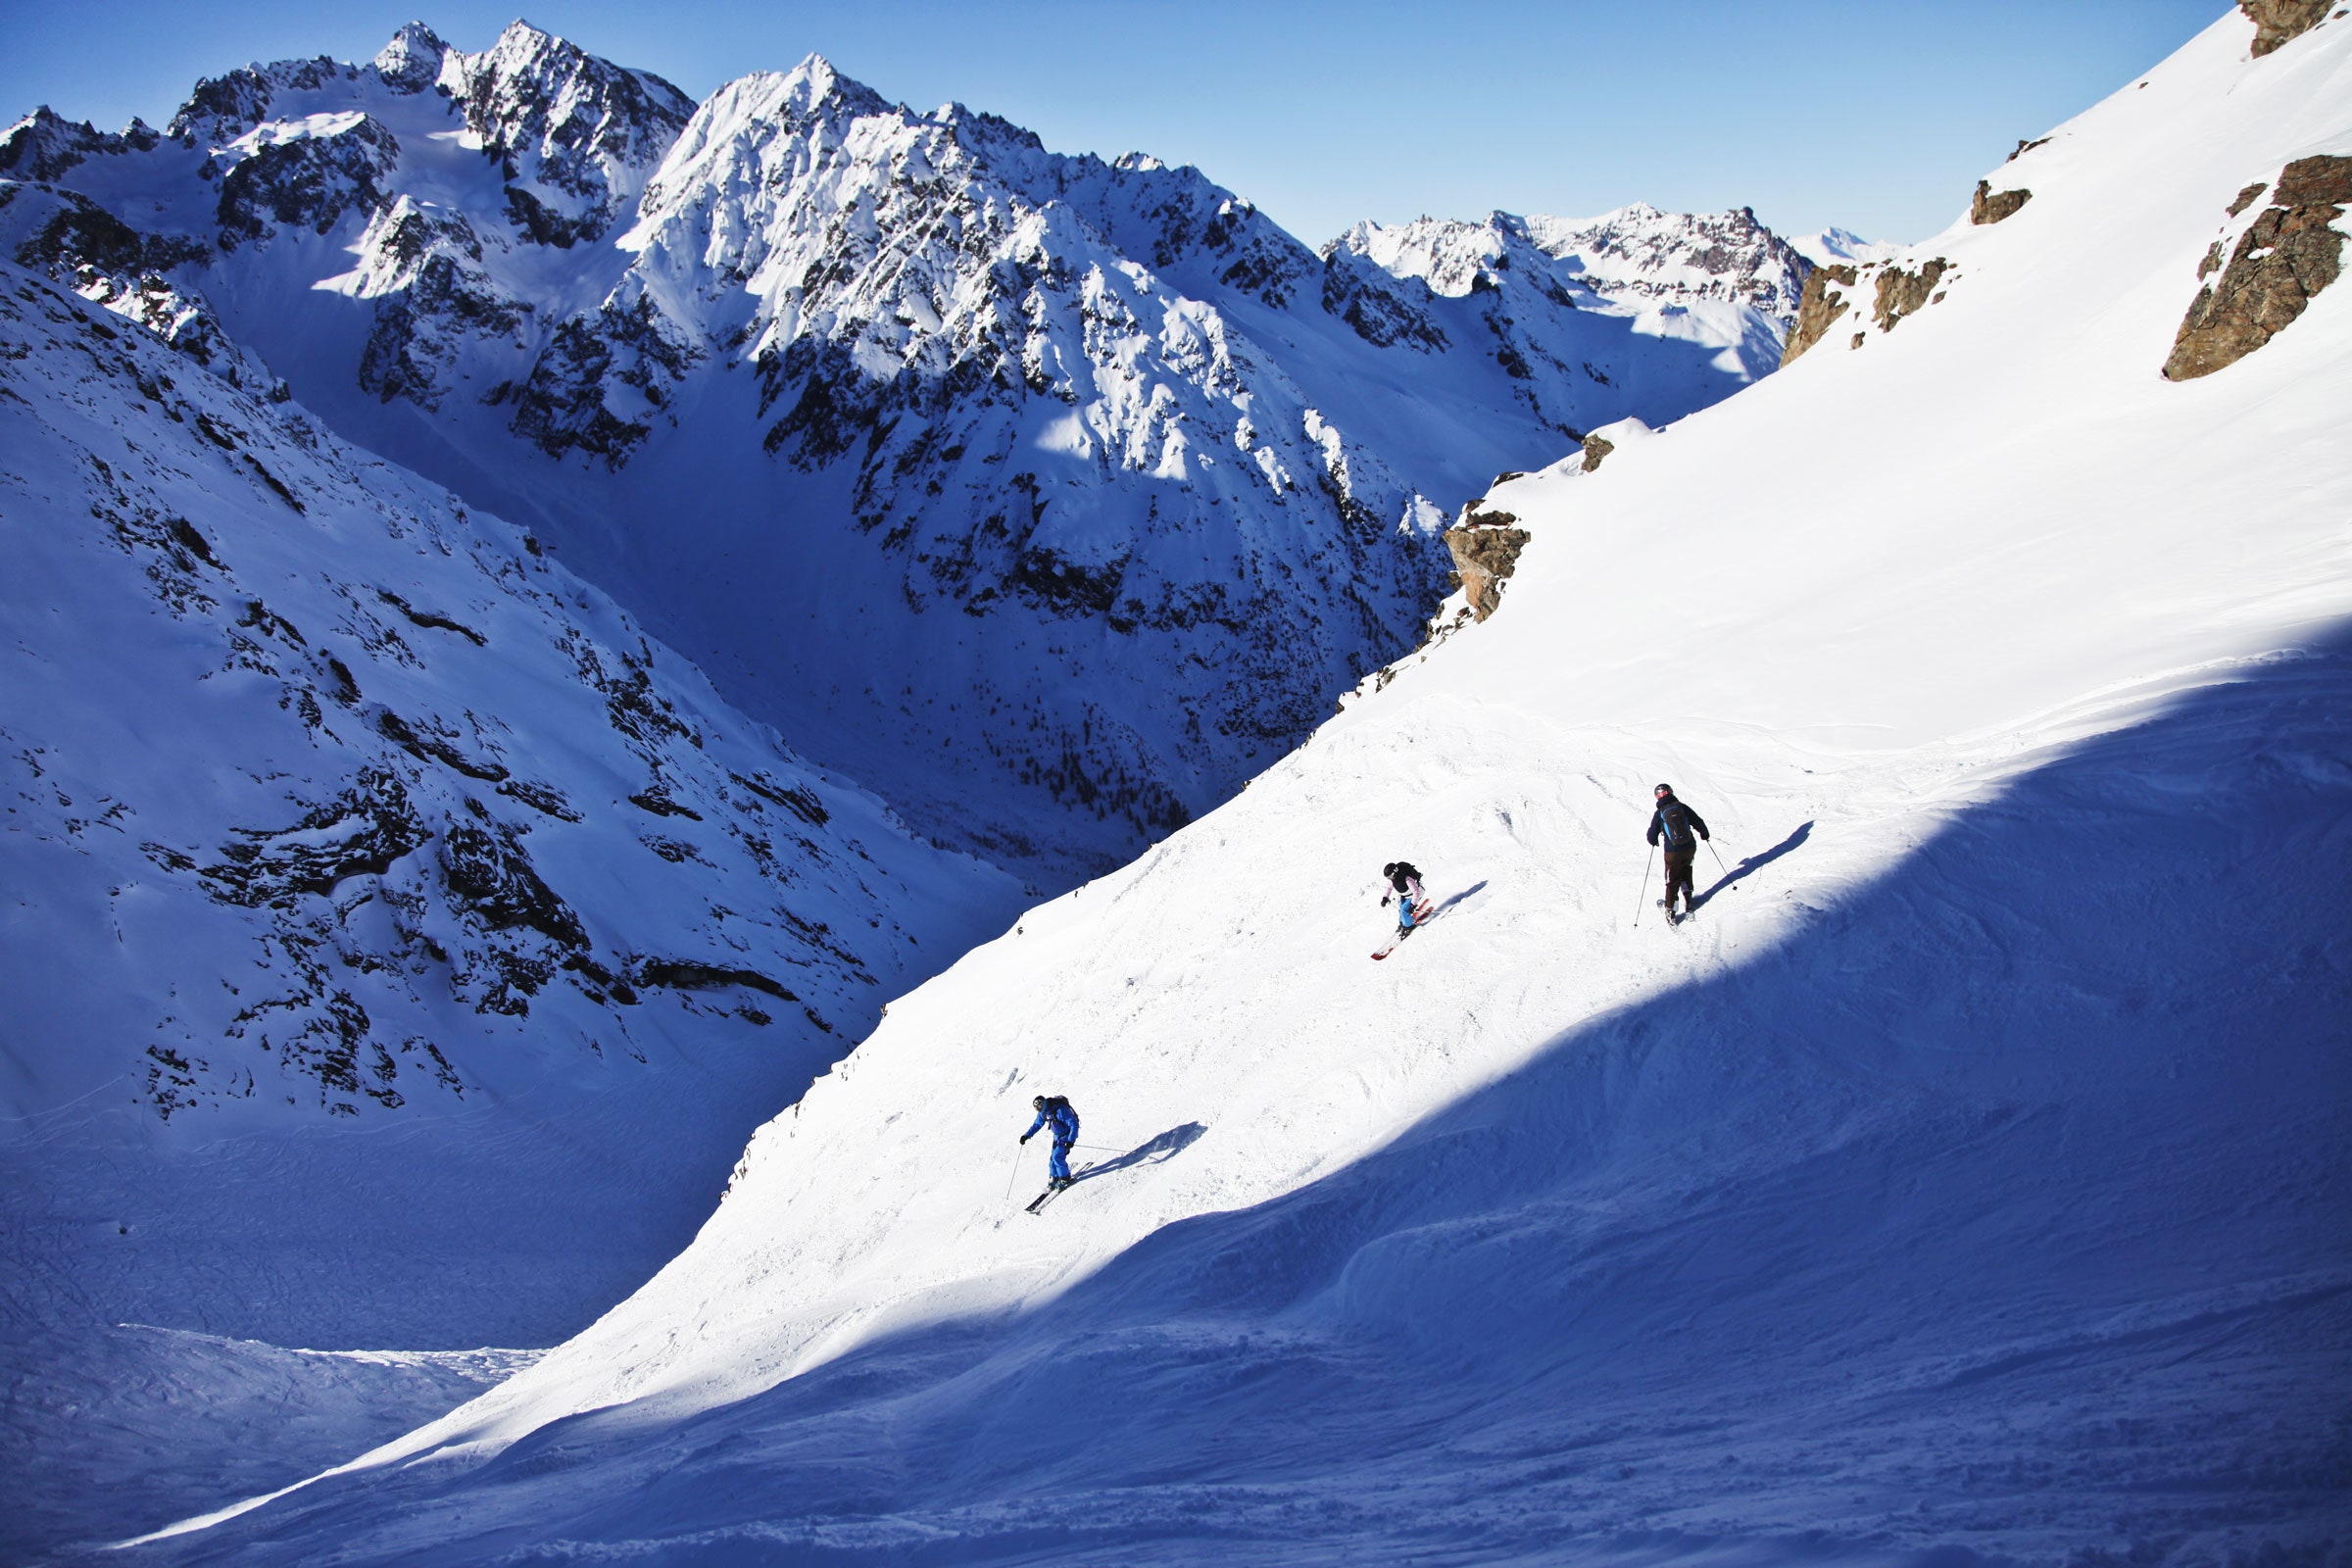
x,y
398,944
1965,1184
1055,496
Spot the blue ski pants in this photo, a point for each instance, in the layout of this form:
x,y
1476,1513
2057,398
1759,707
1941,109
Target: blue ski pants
x,y
1057,1165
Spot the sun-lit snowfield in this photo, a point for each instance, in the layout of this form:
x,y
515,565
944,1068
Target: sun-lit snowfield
x,y
1969,1175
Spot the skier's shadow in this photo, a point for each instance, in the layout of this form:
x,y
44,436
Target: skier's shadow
x,y
1756,862
1167,1146
1456,899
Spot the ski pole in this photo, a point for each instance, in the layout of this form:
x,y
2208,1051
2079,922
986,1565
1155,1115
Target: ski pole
x,y
1646,864
1016,1173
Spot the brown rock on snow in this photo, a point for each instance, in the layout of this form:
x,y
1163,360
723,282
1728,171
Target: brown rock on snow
x,y
1596,449
2278,20
1817,309
1903,293
1991,206
2288,255
1485,551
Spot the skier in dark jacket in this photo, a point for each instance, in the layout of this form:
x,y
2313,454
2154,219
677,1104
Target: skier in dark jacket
x,y
1404,885
1055,1109
1676,823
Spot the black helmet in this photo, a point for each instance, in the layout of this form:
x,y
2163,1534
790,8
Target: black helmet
x,y
1663,789
1389,869
1038,1102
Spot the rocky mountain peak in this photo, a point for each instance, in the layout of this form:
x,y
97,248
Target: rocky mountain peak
x,y
412,62
576,136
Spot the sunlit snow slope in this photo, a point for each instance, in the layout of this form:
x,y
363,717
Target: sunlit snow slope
x,y
1968,1178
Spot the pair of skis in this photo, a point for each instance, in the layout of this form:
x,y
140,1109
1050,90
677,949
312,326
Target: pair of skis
x,y
1423,914
1053,1190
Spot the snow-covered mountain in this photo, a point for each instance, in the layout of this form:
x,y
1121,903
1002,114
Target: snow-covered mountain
x,y
1829,246
1585,303
1965,1184
399,944
1055,496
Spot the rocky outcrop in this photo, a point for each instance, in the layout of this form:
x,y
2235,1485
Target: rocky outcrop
x,y
1905,293
1897,292
66,233
308,181
1991,206
1485,547
2286,254
433,296
2278,20
1596,448
1818,311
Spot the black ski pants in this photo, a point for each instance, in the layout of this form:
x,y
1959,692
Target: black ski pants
x,y
1678,872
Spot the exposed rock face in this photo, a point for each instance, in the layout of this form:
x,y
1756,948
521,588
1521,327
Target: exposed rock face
x,y
2286,254
1485,551
574,135
2278,20
1823,303
1596,449
1991,206
306,181
1903,293
1897,292
44,146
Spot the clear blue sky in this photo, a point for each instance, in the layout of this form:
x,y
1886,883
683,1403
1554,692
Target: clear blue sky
x,y
1875,117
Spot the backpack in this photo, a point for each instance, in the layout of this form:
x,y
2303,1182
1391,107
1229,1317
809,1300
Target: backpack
x,y
1675,817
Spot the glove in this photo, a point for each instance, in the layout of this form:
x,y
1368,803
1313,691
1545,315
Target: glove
x,y
1024,1137
1384,901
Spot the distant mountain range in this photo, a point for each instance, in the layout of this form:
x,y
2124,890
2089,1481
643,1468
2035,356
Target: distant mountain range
x,y
1051,496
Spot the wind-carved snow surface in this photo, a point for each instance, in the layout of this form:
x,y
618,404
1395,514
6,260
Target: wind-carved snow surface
x,y
399,944
1058,496
1965,1184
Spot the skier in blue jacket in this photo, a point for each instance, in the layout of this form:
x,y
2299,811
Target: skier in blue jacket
x,y
1055,1109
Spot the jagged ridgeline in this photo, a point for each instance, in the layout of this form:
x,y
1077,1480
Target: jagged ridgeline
x,y
1051,496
